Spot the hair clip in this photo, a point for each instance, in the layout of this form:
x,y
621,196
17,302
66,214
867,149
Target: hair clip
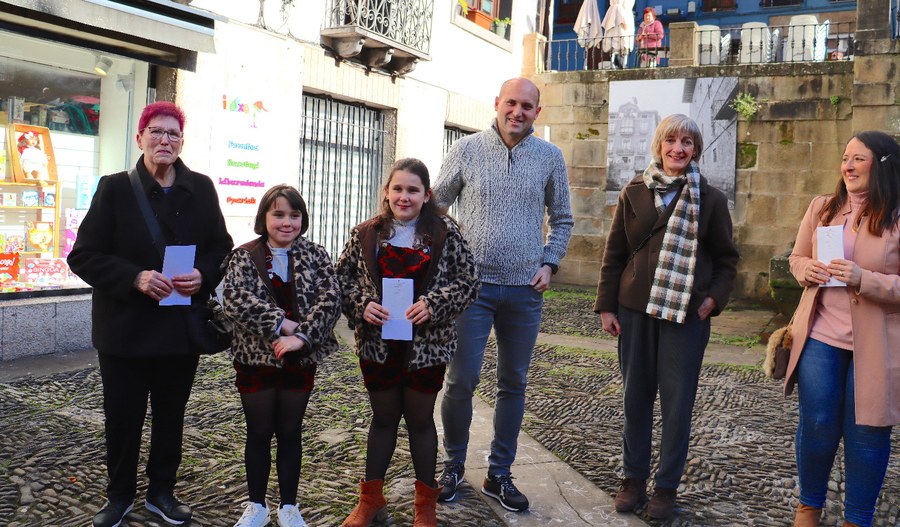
x,y
884,158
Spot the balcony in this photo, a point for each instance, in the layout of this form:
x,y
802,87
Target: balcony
x,y
388,34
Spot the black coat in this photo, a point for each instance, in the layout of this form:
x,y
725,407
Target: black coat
x,y
114,245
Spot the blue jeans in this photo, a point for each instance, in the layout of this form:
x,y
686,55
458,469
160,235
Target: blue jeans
x,y
515,314
827,413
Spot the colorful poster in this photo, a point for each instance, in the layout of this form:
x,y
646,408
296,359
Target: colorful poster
x,y
243,177
9,267
46,271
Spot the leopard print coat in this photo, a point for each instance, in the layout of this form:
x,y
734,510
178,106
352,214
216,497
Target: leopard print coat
x,y
249,300
451,285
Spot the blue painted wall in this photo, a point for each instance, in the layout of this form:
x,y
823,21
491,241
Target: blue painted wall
x,y
746,11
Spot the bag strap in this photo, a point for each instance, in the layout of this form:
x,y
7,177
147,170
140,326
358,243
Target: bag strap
x,y
146,211
641,245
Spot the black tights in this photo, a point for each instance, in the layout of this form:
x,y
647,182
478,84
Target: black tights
x,y
417,409
279,413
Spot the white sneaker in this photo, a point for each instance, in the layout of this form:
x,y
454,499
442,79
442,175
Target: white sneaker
x,y
255,515
289,516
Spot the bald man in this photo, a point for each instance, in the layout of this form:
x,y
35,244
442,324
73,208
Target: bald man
x,y
505,182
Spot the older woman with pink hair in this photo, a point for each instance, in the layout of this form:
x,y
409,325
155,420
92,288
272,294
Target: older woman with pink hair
x,y
142,345
650,37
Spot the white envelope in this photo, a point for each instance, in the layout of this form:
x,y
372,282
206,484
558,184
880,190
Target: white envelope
x,y
830,246
397,297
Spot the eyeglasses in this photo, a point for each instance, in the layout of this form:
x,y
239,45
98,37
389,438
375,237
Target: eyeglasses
x,y
157,134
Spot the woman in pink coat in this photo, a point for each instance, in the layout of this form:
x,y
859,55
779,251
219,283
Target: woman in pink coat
x,y
845,358
649,37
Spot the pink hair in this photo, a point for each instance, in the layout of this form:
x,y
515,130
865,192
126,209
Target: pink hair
x,y
164,108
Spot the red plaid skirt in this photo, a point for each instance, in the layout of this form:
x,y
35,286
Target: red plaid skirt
x,y
291,377
393,373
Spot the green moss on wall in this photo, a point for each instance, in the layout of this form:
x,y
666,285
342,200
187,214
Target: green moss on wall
x,y
747,155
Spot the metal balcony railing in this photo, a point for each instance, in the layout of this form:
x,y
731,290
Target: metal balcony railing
x,y
779,3
406,23
604,53
757,43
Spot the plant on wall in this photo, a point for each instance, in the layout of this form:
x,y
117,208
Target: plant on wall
x,y
746,105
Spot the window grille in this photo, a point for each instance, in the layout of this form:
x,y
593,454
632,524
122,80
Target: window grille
x,y
342,157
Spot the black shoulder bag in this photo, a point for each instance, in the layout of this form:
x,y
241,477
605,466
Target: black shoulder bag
x,y
209,330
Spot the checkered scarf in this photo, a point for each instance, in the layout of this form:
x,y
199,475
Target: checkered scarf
x,y
673,279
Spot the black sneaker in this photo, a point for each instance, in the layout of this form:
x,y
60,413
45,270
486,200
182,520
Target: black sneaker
x,y
112,514
450,479
503,490
168,508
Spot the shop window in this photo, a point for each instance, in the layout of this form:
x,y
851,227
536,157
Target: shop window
x,y
51,152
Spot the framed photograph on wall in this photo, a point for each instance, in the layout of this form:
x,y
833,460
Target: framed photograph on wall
x,y
30,153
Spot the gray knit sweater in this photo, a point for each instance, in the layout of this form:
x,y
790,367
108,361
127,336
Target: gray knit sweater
x,y
503,194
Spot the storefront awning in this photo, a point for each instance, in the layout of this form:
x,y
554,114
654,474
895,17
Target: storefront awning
x,y
158,31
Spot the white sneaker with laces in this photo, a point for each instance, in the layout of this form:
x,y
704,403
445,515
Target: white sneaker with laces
x,y
255,515
289,516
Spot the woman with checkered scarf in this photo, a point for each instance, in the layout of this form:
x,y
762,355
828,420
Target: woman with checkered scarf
x,y
669,266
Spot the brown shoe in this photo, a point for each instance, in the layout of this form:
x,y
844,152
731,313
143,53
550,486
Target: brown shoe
x,y
632,492
807,516
662,504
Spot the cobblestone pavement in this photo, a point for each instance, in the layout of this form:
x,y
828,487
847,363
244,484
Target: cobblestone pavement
x,y
52,471
740,467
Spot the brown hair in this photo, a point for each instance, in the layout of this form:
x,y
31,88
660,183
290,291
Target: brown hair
x,y
294,199
883,200
429,218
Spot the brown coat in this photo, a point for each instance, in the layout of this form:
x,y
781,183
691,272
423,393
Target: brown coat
x,y
627,281
874,314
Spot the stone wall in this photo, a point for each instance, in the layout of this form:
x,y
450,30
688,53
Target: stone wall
x,y
41,326
787,154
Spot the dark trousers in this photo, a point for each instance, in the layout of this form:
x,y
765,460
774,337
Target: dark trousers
x,y
659,355
126,384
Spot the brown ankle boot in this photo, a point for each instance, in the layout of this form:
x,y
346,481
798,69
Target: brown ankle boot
x,y
426,502
371,504
662,504
807,516
632,492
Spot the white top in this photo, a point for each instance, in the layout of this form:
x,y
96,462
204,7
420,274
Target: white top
x,y
404,233
280,262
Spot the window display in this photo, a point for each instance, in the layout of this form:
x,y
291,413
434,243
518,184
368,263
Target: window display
x,y
52,151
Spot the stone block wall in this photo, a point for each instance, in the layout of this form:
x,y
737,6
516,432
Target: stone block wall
x,y
36,326
789,152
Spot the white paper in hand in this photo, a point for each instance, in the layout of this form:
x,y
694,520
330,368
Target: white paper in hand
x,y
397,297
179,259
830,246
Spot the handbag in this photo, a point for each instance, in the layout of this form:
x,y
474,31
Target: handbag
x,y
208,329
778,352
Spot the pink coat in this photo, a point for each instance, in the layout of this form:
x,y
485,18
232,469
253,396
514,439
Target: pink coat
x,y
874,313
650,35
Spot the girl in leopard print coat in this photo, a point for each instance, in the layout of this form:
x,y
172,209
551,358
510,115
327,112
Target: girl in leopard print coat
x,y
410,239
282,294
